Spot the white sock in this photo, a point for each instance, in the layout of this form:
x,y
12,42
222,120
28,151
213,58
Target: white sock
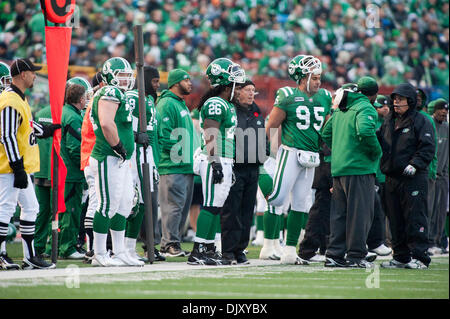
x,y
118,241
259,235
268,243
290,250
3,247
100,243
218,242
130,243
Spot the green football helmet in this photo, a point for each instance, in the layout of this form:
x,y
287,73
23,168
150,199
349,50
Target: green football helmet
x,y
84,83
5,76
302,66
223,71
12,232
118,72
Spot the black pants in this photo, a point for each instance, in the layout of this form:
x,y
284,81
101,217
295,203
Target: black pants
x,y
437,221
237,213
351,215
317,228
377,234
406,209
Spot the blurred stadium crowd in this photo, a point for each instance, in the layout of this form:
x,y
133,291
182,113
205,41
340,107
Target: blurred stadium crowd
x,y
410,41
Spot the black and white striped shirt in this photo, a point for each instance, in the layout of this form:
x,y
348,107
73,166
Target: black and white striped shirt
x,y
10,121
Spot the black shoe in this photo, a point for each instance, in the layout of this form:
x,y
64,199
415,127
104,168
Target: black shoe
x,y
7,263
362,263
227,259
80,249
198,258
88,256
158,256
336,262
242,259
36,263
172,250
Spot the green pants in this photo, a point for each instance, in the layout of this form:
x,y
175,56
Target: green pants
x,y
44,217
69,221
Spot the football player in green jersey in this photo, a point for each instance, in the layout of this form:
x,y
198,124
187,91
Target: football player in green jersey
x,y
134,221
214,164
110,163
301,112
5,76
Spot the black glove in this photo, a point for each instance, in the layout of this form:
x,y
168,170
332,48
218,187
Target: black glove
x,y
20,176
49,130
120,151
142,138
217,172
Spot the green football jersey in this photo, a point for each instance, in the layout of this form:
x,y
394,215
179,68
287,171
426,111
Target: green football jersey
x,y
217,109
44,117
151,117
123,120
150,110
305,117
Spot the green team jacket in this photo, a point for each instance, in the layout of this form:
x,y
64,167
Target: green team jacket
x,y
44,117
432,168
350,133
71,121
175,135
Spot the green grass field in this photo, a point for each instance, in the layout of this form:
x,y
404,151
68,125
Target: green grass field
x,y
272,281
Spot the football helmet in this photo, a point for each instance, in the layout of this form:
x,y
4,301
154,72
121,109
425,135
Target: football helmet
x,y
223,71
304,66
12,232
340,98
84,83
5,76
118,72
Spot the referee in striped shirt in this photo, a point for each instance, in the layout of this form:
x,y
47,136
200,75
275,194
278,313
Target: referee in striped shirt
x,y
19,157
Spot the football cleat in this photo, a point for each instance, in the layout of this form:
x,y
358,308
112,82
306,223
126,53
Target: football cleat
x,y
336,262
88,257
105,260
127,260
382,250
7,263
198,258
416,264
36,263
392,264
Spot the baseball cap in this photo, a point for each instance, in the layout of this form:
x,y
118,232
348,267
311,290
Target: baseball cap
x,y
381,101
22,65
441,104
367,86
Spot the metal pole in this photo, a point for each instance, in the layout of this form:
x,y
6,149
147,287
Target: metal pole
x,y
55,208
148,220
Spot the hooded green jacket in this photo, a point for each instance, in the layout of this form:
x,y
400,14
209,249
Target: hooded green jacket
x,y
71,121
350,133
175,135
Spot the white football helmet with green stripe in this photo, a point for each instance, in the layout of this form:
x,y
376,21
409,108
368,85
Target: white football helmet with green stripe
x,y
118,72
5,76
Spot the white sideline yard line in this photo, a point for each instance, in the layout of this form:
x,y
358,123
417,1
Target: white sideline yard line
x,y
87,271
170,267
